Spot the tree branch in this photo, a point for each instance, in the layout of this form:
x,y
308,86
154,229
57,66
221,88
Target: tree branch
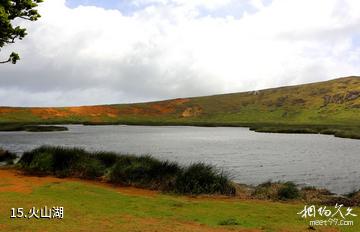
x,y
4,62
14,57
26,18
9,33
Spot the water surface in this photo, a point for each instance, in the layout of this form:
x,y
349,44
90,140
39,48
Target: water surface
x,y
249,157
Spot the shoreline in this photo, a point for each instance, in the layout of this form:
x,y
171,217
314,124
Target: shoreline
x,y
338,131
313,196
32,127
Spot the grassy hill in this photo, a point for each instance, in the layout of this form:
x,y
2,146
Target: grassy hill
x,y
329,107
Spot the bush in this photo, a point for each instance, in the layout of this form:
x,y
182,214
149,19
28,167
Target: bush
x,y
267,190
6,156
108,159
10,162
276,191
353,193
288,191
130,171
309,188
201,178
229,222
144,171
61,162
91,169
67,158
42,163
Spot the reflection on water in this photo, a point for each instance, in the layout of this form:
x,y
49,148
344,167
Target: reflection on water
x,y
249,157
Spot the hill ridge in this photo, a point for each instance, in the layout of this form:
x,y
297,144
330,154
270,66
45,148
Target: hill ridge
x,y
332,102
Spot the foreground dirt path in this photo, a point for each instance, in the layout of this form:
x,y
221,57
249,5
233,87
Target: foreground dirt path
x,y
15,181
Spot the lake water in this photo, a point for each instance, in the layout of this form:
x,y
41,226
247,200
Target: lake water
x,y
249,157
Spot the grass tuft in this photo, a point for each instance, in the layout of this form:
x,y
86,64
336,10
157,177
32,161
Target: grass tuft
x,y
277,191
288,191
200,178
229,222
6,156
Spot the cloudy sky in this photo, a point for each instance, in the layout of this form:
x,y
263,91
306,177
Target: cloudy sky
x,y
85,52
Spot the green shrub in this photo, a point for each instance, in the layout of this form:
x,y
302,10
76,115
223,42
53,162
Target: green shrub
x,y
276,190
6,156
108,159
353,193
143,171
127,171
229,222
90,169
50,160
267,190
26,158
42,163
288,191
309,188
266,184
62,162
67,158
10,162
201,178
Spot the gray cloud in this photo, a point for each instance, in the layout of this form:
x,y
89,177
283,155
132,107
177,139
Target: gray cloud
x,y
89,55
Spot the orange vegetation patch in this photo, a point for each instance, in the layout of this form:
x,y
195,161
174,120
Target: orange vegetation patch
x,y
192,111
94,111
46,113
85,111
155,108
3,227
6,110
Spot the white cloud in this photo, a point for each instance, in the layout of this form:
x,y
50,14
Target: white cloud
x,y
210,4
90,55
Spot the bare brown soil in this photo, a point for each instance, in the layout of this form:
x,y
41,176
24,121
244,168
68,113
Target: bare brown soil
x,y
15,181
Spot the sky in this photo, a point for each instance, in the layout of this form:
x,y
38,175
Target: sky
x,y
87,52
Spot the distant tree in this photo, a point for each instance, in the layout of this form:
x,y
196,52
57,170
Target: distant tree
x,y
11,10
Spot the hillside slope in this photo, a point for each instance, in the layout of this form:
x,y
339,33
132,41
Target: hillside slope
x,y
331,102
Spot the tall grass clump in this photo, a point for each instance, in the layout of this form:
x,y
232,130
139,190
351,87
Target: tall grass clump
x,y
6,156
200,178
277,191
139,171
288,191
144,171
62,162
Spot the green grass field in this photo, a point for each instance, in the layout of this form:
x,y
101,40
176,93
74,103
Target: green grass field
x,y
90,207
